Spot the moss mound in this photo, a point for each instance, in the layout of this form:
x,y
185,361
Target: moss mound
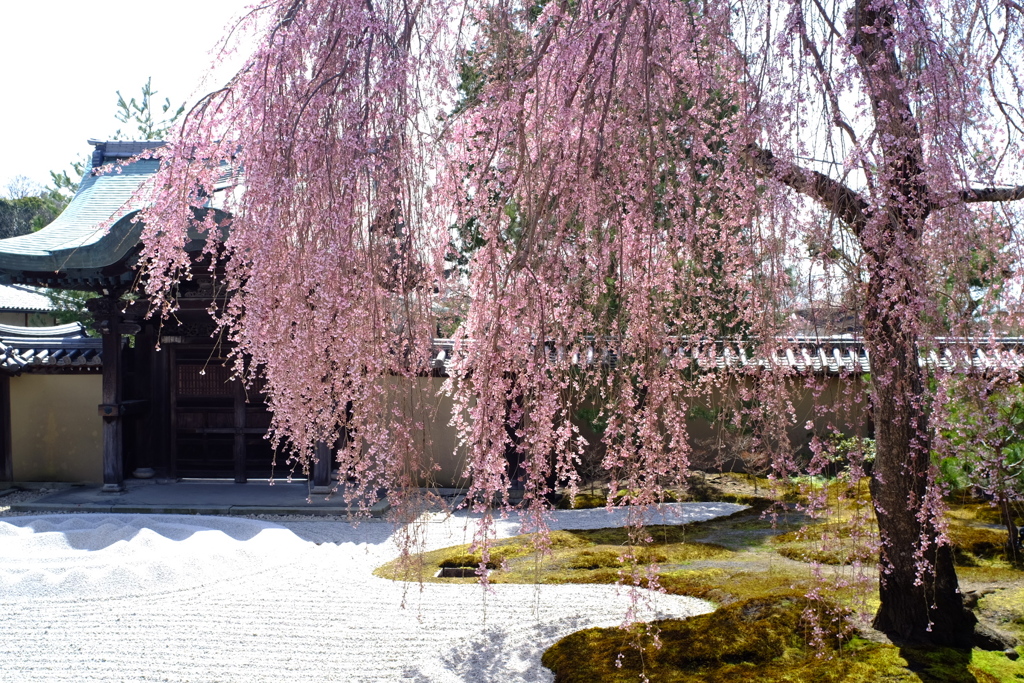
x,y
970,509
698,489
726,586
971,544
837,554
496,556
576,556
762,639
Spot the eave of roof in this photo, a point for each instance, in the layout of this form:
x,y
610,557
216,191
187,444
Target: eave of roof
x,y
63,348
78,249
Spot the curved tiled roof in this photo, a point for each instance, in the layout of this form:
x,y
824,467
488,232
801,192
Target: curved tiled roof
x,y
24,298
63,348
93,243
78,249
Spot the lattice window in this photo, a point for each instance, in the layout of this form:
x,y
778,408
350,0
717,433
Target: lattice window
x,y
204,380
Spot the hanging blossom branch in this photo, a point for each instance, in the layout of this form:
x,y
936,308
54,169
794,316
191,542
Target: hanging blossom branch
x,y
616,183
317,157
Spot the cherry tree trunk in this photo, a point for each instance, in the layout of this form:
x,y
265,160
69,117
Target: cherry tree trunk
x,y
920,598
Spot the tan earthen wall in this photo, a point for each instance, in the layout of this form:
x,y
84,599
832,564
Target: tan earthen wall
x,y
56,431
442,444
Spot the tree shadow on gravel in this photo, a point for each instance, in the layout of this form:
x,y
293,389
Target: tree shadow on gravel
x,y
93,533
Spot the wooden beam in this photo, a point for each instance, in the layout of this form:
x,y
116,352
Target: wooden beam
x,y
160,438
112,323
172,413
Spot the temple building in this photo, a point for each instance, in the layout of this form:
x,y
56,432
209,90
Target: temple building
x,y
171,413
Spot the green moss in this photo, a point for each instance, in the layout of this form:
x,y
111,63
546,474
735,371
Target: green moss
x,y
698,489
586,501
939,665
971,544
839,554
1013,602
988,573
600,558
496,556
573,557
969,509
660,534
424,566
832,542
755,524
594,559
996,666
762,639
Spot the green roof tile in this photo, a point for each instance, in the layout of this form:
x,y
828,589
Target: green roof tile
x,y
77,249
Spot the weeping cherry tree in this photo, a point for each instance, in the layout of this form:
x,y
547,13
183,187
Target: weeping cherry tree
x,y
641,179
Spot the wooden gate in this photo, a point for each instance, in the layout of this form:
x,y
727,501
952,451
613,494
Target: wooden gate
x,y
217,426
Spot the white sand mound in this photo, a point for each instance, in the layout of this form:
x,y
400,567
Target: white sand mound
x,y
111,556
175,598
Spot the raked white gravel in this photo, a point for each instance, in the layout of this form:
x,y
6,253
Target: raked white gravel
x,y
105,597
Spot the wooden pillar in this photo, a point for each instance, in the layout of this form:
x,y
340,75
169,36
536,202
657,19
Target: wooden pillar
x,y
113,443
172,412
322,468
239,445
111,323
160,414
6,454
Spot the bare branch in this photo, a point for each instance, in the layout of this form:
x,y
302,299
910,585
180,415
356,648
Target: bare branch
x,y
828,92
874,26
992,194
847,205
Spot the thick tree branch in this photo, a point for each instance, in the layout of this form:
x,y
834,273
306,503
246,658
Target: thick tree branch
x,y
847,205
874,31
992,194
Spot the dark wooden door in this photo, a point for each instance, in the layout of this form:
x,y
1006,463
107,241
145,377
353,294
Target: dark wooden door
x,y
218,427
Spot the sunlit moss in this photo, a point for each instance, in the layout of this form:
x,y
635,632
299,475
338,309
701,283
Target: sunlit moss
x,y
971,544
697,491
725,586
970,509
573,557
589,500
990,667
759,639
990,572
769,640
841,553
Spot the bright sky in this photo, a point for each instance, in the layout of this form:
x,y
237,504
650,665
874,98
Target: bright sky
x,y
62,61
